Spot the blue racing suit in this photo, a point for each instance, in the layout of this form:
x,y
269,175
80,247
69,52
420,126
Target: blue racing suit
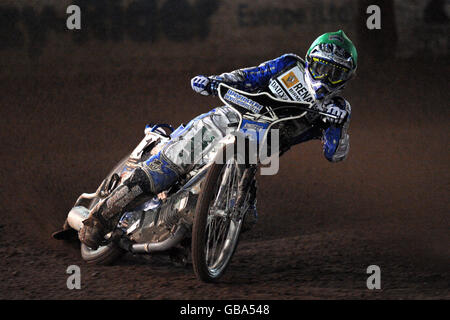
x,y
213,124
283,77
336,139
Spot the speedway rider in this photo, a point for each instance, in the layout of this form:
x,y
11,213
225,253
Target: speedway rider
x,y
330,62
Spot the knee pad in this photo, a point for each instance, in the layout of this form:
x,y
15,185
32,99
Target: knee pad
x,y
161,173
131,189
112,205
139,178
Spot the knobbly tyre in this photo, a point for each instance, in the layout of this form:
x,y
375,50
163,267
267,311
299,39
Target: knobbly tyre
x,y
201,217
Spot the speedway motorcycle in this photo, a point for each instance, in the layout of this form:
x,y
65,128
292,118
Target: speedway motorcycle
x,y
201,217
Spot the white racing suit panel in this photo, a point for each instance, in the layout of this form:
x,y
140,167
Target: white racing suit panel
x,y
191,147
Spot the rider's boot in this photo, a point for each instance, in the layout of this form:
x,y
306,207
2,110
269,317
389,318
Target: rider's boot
x,y
154,176
105,215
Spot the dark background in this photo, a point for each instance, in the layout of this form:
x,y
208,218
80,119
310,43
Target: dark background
x,y
75,102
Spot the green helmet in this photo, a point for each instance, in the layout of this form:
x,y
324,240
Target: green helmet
x,y
330,63
340,39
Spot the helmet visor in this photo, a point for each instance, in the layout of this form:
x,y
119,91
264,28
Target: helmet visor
x,y
322,69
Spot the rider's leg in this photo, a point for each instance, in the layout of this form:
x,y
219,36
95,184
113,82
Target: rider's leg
x,y
159,172
153,177
103,216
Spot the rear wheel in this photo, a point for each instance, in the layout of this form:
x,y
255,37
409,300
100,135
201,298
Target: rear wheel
x,y
104,255
217,225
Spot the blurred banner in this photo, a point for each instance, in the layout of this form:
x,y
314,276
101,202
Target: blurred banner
x,y
132,33
422,27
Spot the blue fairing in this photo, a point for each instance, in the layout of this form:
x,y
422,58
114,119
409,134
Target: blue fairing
x,y
157,128
177,131
332,136
255,130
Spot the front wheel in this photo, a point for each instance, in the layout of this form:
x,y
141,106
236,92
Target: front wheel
x,y
217,224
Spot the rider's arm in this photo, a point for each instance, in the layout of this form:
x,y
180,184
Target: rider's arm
x,y
336,143
247,79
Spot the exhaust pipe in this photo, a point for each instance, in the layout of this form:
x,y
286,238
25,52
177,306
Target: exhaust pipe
x,y
76,217
78,214
167,244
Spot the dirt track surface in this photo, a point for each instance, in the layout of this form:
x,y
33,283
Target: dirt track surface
x,y
321,224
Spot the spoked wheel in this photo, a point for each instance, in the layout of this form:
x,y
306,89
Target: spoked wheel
x,y
104,255
217,224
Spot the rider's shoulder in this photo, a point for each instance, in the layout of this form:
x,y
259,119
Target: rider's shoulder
x,y
285,59
291,57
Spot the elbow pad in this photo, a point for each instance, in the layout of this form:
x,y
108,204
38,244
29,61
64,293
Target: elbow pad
x,y
336,142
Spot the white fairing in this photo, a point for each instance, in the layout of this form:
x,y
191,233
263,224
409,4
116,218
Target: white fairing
x,y
195,145
147,140
76,216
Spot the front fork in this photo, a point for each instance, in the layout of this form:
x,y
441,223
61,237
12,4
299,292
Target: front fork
x,y
246,191
247,176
